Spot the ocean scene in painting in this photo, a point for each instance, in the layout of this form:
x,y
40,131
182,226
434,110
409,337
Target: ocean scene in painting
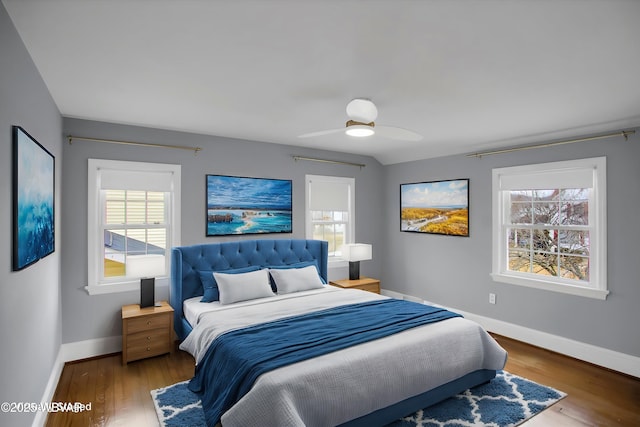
x,y
35,202
440,207
237,205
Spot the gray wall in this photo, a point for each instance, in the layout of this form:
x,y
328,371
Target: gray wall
x,y
30,319
454,271
88,317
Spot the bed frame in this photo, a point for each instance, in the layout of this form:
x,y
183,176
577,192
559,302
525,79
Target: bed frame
x,y
186,261
185,283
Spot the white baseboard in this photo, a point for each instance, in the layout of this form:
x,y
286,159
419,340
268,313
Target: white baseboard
x,y
600,356
41,416
90,348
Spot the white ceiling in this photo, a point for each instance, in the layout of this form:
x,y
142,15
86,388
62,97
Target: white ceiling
x,y
468,75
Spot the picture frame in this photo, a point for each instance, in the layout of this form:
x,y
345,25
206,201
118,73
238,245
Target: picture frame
x,y
435,207
245,205
33,200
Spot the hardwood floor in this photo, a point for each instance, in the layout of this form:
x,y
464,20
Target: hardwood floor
x,y
119,395
596,396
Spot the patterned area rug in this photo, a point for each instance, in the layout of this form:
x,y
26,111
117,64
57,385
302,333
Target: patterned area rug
x,y
505,401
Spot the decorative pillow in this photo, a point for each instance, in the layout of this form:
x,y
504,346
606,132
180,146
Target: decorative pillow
x,y
301,264
296,279
210,285
243,286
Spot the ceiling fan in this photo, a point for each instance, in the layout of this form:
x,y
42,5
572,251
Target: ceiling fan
x,y
362,114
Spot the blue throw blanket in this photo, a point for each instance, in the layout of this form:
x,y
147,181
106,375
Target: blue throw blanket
x,y
237,358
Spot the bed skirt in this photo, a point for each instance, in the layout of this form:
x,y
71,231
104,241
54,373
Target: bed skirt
x,y
408,406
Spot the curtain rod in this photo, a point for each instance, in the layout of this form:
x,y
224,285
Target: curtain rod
x,y
623,133
339,162
142,144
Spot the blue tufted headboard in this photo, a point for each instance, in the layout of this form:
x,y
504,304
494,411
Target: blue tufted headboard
x,y
186,261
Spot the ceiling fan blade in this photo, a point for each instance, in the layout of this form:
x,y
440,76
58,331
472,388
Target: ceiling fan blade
x,y
392,132
321,133
362,112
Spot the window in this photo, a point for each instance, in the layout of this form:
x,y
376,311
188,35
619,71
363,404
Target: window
x,y
330,211
133,222
549,226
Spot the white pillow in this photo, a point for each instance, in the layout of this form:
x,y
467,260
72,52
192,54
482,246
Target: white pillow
x,y
296,279
243,286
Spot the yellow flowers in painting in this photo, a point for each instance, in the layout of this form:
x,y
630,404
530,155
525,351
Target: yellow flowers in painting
x,y
439,221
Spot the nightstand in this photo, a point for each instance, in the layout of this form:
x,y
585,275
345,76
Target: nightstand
x,y
146,331
363,283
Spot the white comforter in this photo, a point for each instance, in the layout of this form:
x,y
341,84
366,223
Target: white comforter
x,y
340,386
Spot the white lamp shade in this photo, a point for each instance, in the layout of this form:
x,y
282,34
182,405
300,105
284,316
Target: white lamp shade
x,y
356,252
145,266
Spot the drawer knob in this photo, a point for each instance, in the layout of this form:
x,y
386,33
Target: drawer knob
x,y
148,338
148,348
149,322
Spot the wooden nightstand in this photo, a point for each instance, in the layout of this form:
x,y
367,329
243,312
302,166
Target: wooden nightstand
x,y
146,331
363,283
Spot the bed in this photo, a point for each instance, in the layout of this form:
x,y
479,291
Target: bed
x,y
359,382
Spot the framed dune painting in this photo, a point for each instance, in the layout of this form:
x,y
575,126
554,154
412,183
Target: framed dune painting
x,y
243,205
33,200
436,207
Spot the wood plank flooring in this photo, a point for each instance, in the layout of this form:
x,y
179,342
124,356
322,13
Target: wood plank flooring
x,y
596,396
119,395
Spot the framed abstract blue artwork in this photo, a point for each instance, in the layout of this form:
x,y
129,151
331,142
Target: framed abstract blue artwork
x,y
242,205
33,200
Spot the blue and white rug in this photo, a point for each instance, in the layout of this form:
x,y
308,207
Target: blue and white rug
x,y
505,401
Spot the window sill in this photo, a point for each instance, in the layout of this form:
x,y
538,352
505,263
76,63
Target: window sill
x,y
128,286
600,294
337,263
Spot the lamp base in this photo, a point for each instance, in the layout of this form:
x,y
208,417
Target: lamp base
x,y
354,270
147,292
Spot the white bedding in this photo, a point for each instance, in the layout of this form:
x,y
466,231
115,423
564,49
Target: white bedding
x,y
340,386
193,309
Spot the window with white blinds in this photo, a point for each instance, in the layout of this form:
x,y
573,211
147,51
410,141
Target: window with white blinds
x,y
549,226
330,211
133,222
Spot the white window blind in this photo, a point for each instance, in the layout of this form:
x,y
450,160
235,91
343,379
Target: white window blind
x,y
563,177
124,179
328,195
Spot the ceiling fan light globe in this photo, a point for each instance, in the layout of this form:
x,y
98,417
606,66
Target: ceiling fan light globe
x,y
359,131
362,110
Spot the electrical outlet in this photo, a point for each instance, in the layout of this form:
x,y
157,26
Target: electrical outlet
x,y
492,298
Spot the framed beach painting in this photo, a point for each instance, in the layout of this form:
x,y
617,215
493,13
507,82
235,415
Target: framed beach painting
x,y
33,200
436,207
244,205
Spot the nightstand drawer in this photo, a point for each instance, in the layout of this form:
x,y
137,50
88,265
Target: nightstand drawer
x,y
151,349
143,339
146,323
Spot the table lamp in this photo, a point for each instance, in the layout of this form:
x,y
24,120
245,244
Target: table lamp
x,y
354,253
